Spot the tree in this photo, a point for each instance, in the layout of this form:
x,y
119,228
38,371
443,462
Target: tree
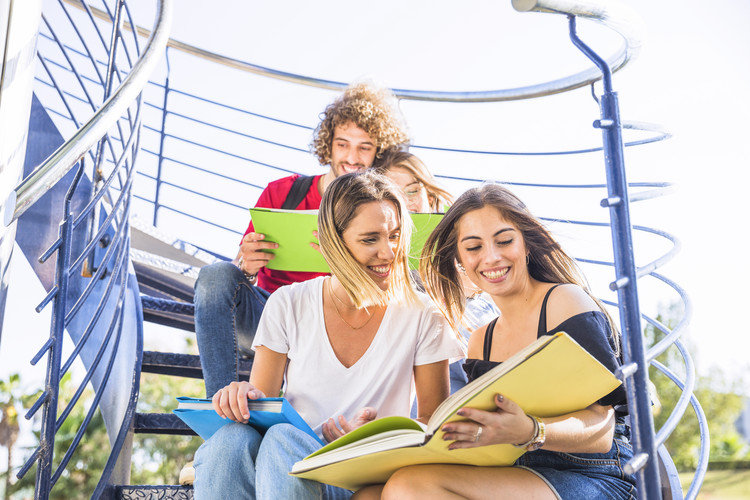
x,y
718,396
157,459
8,423
13,400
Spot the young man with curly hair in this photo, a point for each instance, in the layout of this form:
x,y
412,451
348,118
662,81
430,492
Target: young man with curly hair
x,y
355,130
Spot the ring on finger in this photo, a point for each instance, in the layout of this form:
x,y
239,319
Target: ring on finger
x,y
478,434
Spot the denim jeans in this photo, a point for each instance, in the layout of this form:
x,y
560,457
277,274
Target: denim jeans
x,y
227,312
573,476
237,462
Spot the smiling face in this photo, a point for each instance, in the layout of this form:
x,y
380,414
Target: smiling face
x,y
415,194
372,238
492,251
352,150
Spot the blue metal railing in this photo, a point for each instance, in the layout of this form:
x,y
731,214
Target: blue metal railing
x,y
617,200
172,152
93,94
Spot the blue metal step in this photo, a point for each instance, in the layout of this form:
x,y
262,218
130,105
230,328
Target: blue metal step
x,y
160,423
183,365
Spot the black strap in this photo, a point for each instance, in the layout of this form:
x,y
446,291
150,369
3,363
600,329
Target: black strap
x,y
298,192
488,339
542,329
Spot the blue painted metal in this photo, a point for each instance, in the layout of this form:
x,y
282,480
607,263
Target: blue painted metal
x,y
644,462
112,265
101,311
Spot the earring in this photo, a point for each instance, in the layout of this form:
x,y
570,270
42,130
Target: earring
x,y
461,268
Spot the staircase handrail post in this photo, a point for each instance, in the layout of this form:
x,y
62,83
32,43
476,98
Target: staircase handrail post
x,y
644,462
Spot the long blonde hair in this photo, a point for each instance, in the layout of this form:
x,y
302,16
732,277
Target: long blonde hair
x,y
341,202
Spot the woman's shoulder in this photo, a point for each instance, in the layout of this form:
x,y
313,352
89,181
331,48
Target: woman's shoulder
x,y
566,301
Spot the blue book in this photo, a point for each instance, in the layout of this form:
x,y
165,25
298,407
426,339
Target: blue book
x,y
200,416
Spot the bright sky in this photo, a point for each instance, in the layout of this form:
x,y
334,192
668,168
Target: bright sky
x,y
690,76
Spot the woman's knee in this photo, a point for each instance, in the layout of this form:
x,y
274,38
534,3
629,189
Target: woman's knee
x,y
233,442
410,482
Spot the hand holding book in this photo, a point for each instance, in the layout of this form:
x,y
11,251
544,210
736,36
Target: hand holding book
x,y
332,432
507,424
552,376
232,401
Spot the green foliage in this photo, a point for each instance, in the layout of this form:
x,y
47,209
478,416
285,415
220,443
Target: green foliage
x,y
157,459
718,396
14,400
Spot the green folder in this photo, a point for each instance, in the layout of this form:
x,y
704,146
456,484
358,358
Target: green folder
x,y
292,230
424,224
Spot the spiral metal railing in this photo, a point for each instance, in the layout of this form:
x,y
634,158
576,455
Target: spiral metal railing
x,y
175,149
90,80
186,144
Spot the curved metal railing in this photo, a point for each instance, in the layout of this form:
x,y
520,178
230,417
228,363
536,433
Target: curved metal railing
x,y
90,80
179,159
179,152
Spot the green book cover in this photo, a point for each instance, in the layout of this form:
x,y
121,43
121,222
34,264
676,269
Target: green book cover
x,y
292,230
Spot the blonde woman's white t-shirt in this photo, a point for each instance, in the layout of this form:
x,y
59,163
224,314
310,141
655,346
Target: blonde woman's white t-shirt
x,y
319,386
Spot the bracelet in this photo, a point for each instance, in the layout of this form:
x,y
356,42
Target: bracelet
x,y
252,278
538,438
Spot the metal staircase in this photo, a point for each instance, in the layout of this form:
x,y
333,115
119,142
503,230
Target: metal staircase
x,y
127,143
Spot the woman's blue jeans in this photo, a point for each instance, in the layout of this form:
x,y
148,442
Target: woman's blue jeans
x,y
227,312
237,462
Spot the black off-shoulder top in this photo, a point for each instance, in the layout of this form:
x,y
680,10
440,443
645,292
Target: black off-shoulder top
x,y
590,329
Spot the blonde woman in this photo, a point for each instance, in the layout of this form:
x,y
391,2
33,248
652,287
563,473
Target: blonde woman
x,y
348,348
421,190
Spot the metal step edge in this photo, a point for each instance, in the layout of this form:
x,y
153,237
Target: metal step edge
x,y
160,423
150,492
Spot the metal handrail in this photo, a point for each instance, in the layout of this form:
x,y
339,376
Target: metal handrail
x,y
62,161
620,19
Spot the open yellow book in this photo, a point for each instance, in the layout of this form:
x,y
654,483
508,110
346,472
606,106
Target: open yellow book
x,y
550,377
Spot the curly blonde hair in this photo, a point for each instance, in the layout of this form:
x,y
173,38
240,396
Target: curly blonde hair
x,y
370,108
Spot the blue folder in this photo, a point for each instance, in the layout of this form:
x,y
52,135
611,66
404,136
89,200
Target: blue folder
x,y
200,416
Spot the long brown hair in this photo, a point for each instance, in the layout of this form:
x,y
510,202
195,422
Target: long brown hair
x,y
547,263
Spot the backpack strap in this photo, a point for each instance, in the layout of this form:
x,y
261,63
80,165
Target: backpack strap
x,y
297,193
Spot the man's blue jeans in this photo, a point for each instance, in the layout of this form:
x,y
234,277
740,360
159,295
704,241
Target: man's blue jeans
x,y
227,312
237,462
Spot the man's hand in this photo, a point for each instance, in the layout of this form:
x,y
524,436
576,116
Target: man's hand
x,y
251,256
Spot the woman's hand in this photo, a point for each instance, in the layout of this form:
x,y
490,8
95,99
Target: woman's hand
x,y
331,431
316,246
231,401
507,424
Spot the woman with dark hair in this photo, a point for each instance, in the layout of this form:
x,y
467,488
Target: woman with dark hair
x,y
423,194
344,348
537,287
